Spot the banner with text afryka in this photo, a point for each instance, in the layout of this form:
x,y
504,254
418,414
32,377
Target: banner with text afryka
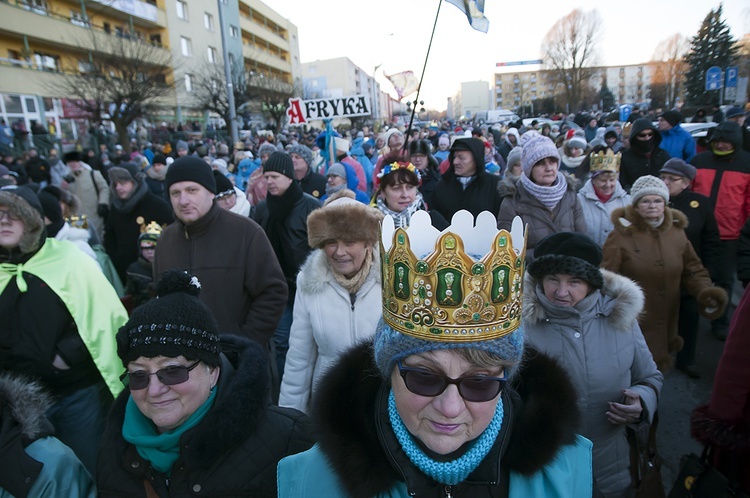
x,y
303,111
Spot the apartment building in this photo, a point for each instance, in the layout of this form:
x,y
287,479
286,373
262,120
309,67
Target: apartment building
x,y
472,97
42,41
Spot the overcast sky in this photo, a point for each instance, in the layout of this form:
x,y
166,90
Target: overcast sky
x,y
395,34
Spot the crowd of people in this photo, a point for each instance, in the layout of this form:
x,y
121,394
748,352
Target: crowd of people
x,y
191,315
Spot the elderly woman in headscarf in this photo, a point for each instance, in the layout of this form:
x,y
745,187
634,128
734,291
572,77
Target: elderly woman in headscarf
x,y
602,194
649,245
588,319
543,197
195,416
427,409
338,294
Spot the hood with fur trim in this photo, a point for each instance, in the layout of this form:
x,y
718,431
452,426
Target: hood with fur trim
x,y
350,396
627,220
28,403
624,301
34,231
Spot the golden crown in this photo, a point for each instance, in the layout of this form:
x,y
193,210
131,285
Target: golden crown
x,y
78,221
152,228
605,162
462,284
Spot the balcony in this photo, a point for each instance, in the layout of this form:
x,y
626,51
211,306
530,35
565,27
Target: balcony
x,y
246,24
254,53
141,10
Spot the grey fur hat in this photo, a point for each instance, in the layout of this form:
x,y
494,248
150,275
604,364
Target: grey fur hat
x,y
342,217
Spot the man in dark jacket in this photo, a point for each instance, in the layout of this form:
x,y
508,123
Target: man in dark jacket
x,y
466,184
283,216
644,157
724,176
312,183
242,281
132,208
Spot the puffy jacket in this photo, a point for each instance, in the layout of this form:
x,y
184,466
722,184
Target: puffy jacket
x,y
678,143
598,213
232,452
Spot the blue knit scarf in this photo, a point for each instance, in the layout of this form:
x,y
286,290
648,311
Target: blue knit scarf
x,y
457,470
161,449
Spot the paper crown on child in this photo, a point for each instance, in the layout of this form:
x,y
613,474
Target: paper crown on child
x,y
601,162
463,284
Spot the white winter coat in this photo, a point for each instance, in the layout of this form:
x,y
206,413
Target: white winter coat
x,y
601,346
597,213
326,322
79,238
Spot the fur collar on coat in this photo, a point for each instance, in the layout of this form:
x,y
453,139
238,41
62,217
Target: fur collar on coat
x,y
625,303
28,403
628,221
346,403
316,273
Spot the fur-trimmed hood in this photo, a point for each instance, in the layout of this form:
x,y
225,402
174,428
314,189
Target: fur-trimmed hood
x,y
622,302
627,220
34,231
348,410
28,403
316,273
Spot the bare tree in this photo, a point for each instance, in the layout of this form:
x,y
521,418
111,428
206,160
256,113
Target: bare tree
x,y
210,89
570,50
669,69
124,80
270,96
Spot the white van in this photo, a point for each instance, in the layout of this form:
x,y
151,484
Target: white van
x,y
501,116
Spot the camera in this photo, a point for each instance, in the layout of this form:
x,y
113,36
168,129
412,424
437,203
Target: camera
x,y
69,178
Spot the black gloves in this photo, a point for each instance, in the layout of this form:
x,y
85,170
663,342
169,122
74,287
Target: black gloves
x,y
102,210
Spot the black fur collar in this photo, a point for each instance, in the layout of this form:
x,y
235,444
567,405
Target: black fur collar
x,y
545,414
241,402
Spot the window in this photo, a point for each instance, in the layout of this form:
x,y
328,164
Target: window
x,y
212,55
189,82
182,10
46,62
208,21
234,31
187,46
77,19
85,67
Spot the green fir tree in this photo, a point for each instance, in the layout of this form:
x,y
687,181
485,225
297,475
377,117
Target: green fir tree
x,y
712,46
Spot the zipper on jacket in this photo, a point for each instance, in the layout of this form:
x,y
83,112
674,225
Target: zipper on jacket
x,y
448,490
353,299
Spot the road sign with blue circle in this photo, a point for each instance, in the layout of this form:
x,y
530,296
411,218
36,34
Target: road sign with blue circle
x,y
713,78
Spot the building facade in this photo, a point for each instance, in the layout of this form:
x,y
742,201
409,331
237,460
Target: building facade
x,y
472,97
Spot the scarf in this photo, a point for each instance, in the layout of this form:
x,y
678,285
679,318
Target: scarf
x,y
279,207
157,176
332,190
465,180
721,153
549,196
161,449
352,285
603,198
655,224
125,206
402,219
454,471
570,164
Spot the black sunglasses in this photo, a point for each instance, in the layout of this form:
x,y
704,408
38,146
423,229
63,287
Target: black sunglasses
x,y
169,376
476,388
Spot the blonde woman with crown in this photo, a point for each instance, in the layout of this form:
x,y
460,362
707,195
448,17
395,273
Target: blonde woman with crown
x,y
445,401
602,193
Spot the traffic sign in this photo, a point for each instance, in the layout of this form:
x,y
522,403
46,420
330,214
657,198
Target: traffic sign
x,y
625,111
731,77
713,78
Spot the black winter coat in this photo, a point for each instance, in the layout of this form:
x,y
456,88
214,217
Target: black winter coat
x,y
702,231
636,162
480,195
743,255
232,452
314,184
123,226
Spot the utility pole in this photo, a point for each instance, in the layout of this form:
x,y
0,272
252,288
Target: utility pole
x,y
228,75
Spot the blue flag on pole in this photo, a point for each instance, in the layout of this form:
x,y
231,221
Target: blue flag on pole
x,y
474,10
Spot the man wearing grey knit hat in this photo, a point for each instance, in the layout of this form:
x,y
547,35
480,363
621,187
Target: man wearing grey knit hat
x,y
312,183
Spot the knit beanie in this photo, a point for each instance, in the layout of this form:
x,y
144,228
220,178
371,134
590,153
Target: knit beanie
x,y
672,117
280,162
514,156
535,150
390,133
72,156
648,185
50,206
222,150
577,142
175,323
569,253
223,184
266,149
159,158
303,152
337,169
181,144
444,139
191,169
125,172
221,165
391,346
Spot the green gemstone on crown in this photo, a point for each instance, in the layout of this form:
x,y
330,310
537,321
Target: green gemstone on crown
x,y
401,239
450,243
477,269
422,267
503,241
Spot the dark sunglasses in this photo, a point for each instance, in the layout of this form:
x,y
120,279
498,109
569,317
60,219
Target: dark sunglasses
x,y
645,135
169,376
477,388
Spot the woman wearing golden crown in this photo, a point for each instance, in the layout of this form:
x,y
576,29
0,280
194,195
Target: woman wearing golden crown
x,y
602,193
445,401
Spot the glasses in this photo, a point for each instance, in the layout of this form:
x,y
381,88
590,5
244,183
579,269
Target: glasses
x,y
169,376
646,134
477,388
654,202
670,179
9,216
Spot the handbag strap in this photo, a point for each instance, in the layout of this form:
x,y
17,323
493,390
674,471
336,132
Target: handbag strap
x,y
150,491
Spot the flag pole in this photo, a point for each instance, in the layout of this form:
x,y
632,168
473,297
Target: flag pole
x,y
419,88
